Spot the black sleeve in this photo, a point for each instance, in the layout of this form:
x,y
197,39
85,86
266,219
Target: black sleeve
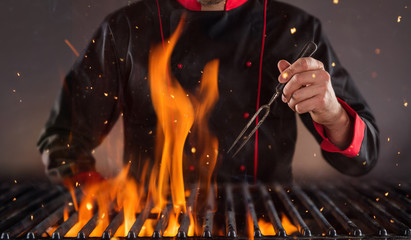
x,y
88,104
346,90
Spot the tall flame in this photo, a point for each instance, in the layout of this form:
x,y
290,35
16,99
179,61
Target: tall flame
x,y
179,114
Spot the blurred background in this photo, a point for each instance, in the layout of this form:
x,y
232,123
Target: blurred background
x,y
371,37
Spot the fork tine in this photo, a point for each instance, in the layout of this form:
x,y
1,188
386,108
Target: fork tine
x,y
267,111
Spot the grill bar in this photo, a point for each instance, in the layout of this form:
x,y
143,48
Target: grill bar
x,y
251,210
348,225
231,226
162,223
318,216
208,221
389,221
272,213
350,211
114,225
138,224
185,222
370,222
290,208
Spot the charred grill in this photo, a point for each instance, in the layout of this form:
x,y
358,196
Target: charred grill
x,y
354,210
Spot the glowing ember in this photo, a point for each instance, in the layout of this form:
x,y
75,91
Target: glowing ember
x,y
18,74
293,30
333,64
284,75
399,19
335,1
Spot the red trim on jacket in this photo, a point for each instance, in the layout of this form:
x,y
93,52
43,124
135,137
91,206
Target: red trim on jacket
x,y
358,136
194,5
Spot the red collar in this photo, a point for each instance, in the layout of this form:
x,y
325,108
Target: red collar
x,y
193,5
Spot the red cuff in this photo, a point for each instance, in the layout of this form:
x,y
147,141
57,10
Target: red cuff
x,y
358,136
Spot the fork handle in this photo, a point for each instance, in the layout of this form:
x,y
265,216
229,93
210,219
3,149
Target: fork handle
x,y
307,51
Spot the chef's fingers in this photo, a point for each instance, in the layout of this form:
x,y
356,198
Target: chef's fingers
x,y
299,66
300,80
303,94
283,65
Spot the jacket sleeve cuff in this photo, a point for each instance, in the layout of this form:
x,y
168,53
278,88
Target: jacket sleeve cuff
x,y
356,141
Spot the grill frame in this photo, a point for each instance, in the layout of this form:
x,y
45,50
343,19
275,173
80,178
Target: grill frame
x,y
371,212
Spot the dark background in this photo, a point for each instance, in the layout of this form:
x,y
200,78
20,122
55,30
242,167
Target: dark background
x,y
366,34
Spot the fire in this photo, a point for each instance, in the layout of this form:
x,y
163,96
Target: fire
x,y
121,189
288,226
266,228
182,119
179,114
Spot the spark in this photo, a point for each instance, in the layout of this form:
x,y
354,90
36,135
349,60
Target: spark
x,y
377,199
313,75
115,98
68,145
151,132
31,217
64,162
293,30
94,41
405,103
77,184
321,209
315,154
364,163
94,151
70,204
399,19
121,59
72,48
333,64
377,51
136,27
21,100
193,150
14,199
391,221
18,74
15,181
388,139
14,90
106,94
399,184
89,206
285,75
335,1
105,122
398,153
386,194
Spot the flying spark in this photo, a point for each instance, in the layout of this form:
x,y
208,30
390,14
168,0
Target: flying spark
x,y
18,75
293,30
335,1
72,48
399,19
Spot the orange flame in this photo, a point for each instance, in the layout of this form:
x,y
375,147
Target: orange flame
x,y
267,229
288,226
122,189
179,114
250,227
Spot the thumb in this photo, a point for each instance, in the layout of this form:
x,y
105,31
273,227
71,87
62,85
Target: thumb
x,y
283,65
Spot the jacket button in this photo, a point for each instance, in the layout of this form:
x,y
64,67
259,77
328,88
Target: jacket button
x,y
179,66
248,64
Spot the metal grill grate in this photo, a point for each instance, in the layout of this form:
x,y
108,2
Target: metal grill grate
x,y
356,210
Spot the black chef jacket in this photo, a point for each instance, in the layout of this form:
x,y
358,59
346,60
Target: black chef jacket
x,y
110,80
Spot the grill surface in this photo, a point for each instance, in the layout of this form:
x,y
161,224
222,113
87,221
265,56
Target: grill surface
x,y
349,210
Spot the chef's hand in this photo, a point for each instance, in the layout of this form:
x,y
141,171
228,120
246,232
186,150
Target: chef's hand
x,y
64,175
309,89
